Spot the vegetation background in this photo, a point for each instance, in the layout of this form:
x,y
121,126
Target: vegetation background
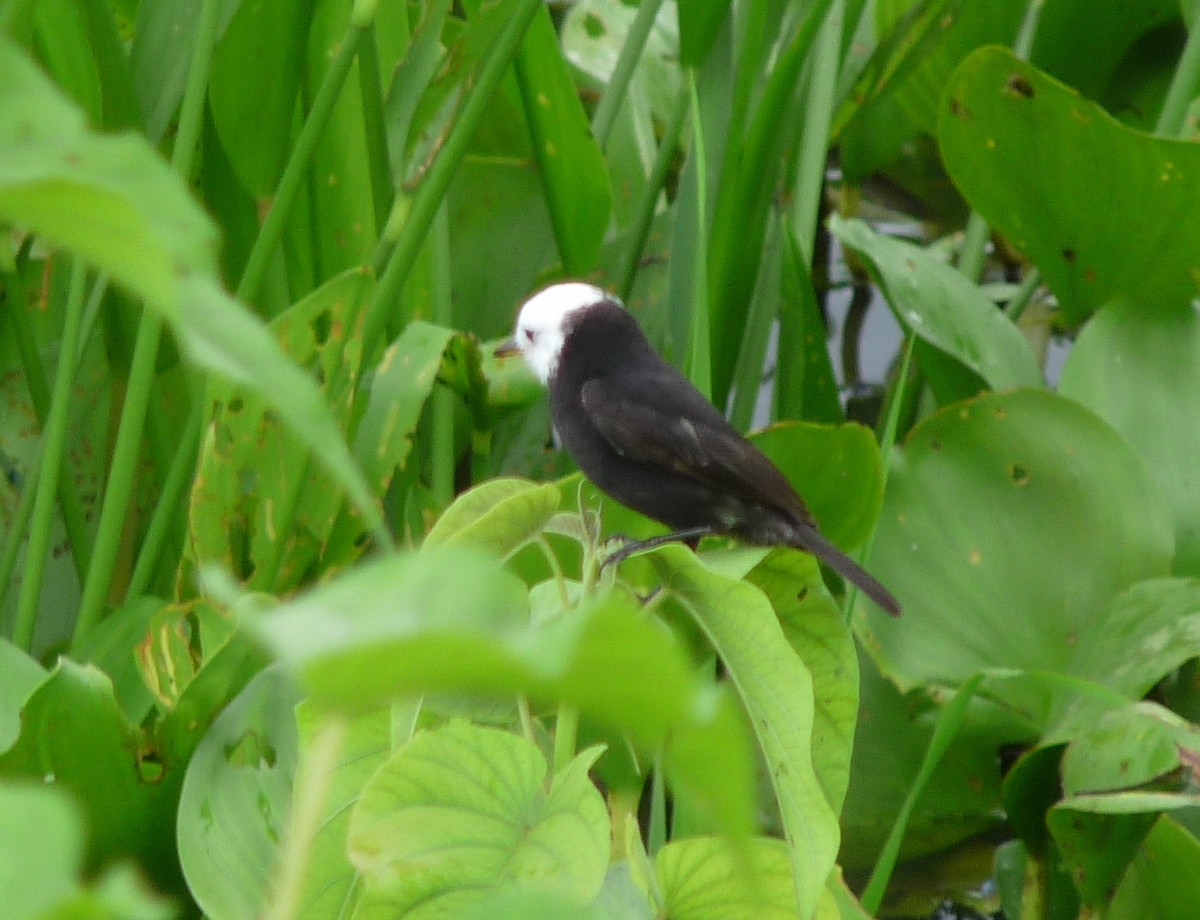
x,y
259,660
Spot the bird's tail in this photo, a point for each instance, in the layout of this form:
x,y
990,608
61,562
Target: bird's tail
x,y
812,541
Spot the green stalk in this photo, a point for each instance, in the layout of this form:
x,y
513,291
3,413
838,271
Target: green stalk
x,y
431,192
120,475
745,192
1024,293
973,253
814,137
259,260
699,356
19,525
644,211
442,399
179,477
887,442
949,722
369,81
35,377
618,83
1172,119
53,441
145,352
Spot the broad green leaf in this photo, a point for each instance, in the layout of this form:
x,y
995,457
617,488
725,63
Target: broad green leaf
x,y
815,628
708,878
112,645
74,736
1139,370
237,509
448,619
1162,882
1064,182
256,67
500,515
234,805
110,199
20,676
1099,835
569,160
1127,747
461,810
399,389
995,537
221,335
944,308
1145,633
43,868
777,691
341,229
41,850
593,34
332,884
837,471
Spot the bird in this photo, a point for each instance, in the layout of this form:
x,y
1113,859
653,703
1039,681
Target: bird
x,y
646,437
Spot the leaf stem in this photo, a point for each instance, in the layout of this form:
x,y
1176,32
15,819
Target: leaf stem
x,y
618,81
53,441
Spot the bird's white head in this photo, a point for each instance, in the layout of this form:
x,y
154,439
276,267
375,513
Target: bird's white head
x,y
543,321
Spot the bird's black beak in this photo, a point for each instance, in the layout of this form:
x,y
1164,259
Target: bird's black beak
x,y
507,349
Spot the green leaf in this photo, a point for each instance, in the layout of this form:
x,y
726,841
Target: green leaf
x,y
805,385
461,810
41,850
1139,370
1162,882
332,884
837,471
1127,747
1099,834
256,68
234,806
112,646
698,26
20,676
993,537
74,735
238,515
500,516
399,389
220,334
776,690
942,307
570,162
110,199
708,878
448,619
1064,181
816,630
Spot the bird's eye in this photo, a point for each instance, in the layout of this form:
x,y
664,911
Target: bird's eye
x,y
529,335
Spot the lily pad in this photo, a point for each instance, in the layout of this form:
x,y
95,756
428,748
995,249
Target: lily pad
x,y
1064,181
1010,523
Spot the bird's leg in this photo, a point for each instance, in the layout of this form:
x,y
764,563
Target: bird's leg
x,y
689,535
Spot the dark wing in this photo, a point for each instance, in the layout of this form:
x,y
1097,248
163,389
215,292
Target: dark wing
x,y
656,421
